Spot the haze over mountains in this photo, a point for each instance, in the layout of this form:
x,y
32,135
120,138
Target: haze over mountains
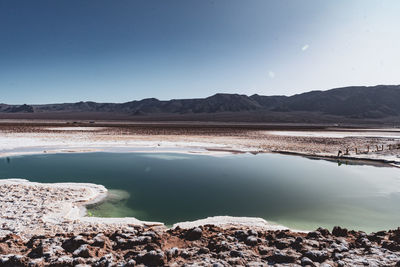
x,y
356,103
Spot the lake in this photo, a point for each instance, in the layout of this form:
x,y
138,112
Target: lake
x,y
293,191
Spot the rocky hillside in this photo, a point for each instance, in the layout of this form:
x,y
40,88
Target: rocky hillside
x,y
355,102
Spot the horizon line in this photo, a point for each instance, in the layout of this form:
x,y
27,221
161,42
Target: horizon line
x,y
219,93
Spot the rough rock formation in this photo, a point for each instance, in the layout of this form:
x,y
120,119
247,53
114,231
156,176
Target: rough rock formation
x,y
204,246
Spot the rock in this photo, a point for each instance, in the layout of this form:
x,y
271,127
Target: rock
x,y
151,258
107,260
186,254
140,240
130,263
194,234
251,241
219,246
340,263
235,261
16,260
235,254
173,252
361,234
339,247
316,255
297,243
391,246
375,238
364,242
100,240
132,242
299,239
380,233
36,252
314,234
83,251
307,262
338,231
203,250
282,234
241,235
281,257
4,259
263,250
312,243
230,246
323,231
73,243
252,232
256,264
149,233
281,244
65,260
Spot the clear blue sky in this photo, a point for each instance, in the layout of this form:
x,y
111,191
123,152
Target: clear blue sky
x,y
117,51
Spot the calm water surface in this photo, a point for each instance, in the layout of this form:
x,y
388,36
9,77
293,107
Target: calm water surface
x,y
289,190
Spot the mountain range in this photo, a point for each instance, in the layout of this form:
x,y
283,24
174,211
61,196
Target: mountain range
x,y
356,103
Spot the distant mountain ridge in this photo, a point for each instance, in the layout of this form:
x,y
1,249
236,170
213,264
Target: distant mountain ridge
x,y
358,102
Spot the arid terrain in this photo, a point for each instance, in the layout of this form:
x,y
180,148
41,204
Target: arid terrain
x,y
42,225
376,145
204,246
353,104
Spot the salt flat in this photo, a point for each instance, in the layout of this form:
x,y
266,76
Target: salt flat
x,y
30,208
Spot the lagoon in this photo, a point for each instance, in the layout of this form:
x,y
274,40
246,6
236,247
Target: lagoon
x,y
296,192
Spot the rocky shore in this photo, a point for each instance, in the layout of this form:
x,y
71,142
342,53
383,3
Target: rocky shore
x,y
206,245
43,225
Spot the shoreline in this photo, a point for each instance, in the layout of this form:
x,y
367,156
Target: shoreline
x,y
321,143
51,232
365,161
190,148
68,206
77,208
203,150
108,141
215,241
30,208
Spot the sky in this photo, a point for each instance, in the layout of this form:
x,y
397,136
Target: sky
x,y
118,51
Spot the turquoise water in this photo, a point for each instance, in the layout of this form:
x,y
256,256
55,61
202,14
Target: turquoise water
x,y
297,192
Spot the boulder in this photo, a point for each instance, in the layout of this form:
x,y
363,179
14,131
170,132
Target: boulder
x,y
338,231
83,251
317,255
151,258
194,234
307,262
251,240
281,257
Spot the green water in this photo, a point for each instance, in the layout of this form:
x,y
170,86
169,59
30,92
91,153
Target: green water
x,y
289,190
